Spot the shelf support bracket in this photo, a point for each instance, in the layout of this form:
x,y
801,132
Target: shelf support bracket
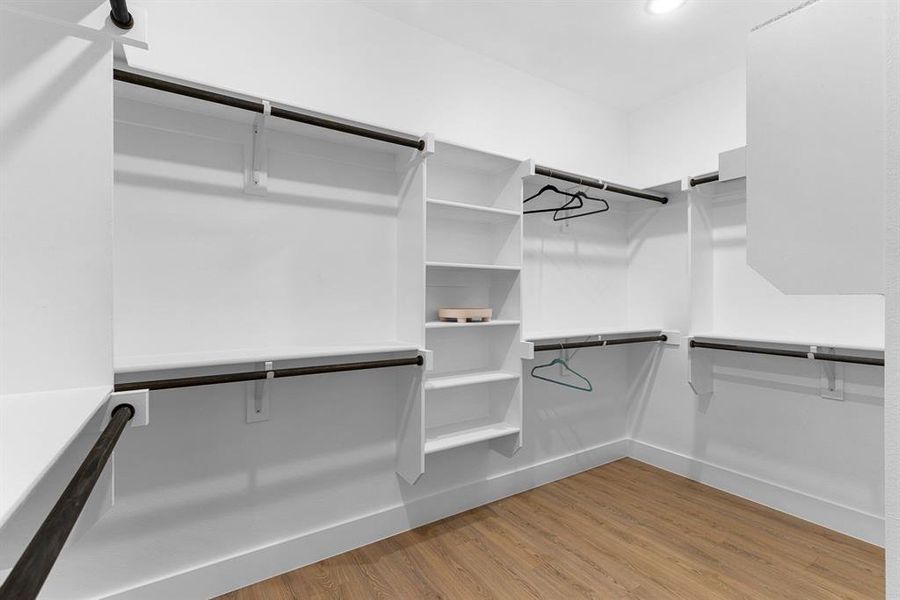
x,y
258,393
257,176
831,384
700,376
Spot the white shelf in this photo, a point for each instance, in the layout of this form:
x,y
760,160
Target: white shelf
x,y
868,346
470,212
453,265
136,364
473,378
37,429
453,325
463,434
587,332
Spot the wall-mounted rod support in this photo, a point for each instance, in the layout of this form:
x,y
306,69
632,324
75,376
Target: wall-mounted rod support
x,y
845,358
617,342
31,570
600,185
182,382
706,178
119,14
258,107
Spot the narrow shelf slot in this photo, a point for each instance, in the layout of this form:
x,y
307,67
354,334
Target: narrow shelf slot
x,y
471,378
464,434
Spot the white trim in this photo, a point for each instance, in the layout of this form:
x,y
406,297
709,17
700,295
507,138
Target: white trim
x,y
229,573
844,519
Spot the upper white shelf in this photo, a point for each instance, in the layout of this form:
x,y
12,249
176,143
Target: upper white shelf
x,y
461,211
453,325
134,364
30,442
586,332
453,265
865,346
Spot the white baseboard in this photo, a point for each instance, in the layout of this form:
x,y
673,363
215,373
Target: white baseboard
x,y
229,573
846,520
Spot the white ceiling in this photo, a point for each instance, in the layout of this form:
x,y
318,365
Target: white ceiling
x,y
611,50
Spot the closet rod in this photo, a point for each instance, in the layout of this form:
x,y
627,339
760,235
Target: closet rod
x,y
27,577
600,185
706,178
845,358
181,382
257,107
119,14
573,345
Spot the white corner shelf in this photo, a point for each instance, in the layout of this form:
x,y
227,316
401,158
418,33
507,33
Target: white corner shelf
x,y
453,265
464,434
472,378
454,325
32,443
188,360
470,212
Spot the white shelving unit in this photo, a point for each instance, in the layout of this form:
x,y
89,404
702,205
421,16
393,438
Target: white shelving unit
x,y
473,258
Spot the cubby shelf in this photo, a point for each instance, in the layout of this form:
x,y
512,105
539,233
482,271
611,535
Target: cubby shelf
x,y
470,212
472,378
453,325
453,265
463,434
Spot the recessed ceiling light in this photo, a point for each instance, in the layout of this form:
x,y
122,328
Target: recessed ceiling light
x,y
661,7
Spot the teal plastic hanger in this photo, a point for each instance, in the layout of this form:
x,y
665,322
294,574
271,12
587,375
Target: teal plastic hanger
x,y
559,361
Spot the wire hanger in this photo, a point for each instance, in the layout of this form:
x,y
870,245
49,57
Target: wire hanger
x,y
553,188
575,202
581,195
559,361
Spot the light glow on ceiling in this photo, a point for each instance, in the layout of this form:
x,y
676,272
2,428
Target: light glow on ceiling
x,y
661,7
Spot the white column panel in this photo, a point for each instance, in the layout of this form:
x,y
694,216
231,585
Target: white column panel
x,y
814,129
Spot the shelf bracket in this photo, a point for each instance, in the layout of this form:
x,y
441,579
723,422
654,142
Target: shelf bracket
x,y
258,393
700,376
139,399
257,176
831,384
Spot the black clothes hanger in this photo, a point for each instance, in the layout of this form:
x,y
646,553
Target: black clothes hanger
x,y
552,188
581,195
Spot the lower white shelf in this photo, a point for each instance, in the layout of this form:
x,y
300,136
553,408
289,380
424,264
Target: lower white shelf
x,y
472,378
465,433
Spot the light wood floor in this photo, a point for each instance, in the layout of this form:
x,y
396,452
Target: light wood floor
x,y
623,530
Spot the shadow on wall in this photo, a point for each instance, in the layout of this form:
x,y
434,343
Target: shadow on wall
x,y
24,44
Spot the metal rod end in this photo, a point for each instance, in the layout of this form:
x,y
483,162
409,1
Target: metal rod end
x,y
420,360
121,24
125,406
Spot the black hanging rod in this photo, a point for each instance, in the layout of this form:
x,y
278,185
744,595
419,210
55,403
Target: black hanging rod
x,y
617,342
27,577
182,382
257,107
119,14
600,185
707,178
845,358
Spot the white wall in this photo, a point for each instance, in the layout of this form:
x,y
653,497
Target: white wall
x,y
892,298
766,433
344,59
683,134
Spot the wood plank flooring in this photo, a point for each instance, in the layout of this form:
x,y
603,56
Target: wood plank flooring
x,y
621,531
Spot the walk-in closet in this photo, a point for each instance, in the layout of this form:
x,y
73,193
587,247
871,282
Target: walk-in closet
x,y
430,299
